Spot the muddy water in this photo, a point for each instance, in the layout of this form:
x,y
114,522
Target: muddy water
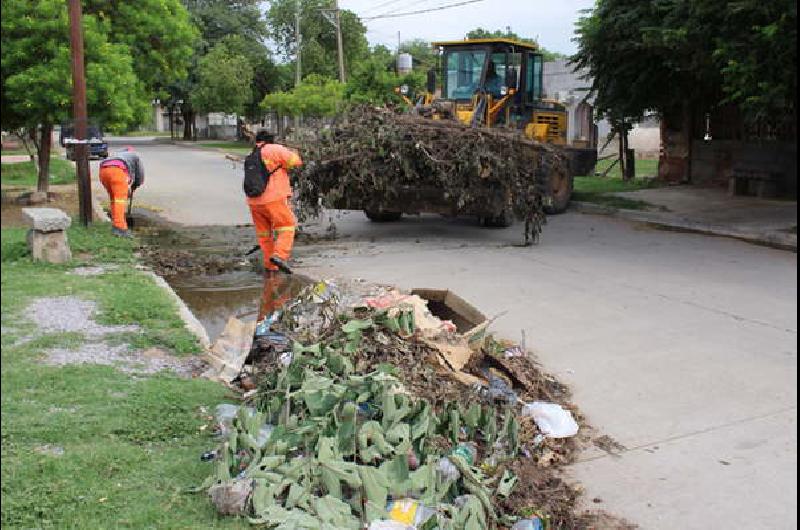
x,y
215,298
206,267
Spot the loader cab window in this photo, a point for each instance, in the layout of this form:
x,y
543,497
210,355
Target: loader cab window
x,y
463,73
502,67
533,78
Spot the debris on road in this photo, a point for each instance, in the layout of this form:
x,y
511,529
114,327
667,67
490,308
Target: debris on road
x,y
369,156
363,417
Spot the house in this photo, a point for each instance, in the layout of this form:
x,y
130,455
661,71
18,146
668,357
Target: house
x,y
718,147
569,86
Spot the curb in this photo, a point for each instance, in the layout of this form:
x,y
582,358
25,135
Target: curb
x,y
191,322
773,239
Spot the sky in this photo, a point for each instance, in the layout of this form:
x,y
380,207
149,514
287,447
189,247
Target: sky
x,y
550,22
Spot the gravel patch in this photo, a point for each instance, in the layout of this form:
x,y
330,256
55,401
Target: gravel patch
x,y
136,362
87,271
70,314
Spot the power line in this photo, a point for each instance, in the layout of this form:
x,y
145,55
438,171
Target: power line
x,y
381,5
421,11
396,9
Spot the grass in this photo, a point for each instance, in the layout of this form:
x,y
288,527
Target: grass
x,y
25,173
15,151
131,445
598,190
230,146
146,133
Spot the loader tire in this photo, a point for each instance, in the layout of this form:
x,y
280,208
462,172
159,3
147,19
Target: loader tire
x,y
504,220
383,216
559,190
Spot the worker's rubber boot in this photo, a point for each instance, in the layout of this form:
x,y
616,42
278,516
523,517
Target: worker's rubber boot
x,y
121,233
282,265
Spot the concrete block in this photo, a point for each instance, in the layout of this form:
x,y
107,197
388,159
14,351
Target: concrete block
x,y
47,219
51,247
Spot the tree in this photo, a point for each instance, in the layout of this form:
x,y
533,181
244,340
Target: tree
x,y
374,80
480,33
224,80
241,26
677,56
37,76
159,34
316,96
318,34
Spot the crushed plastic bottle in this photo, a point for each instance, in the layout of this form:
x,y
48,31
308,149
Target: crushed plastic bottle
x,y
447,470
529,523
263,434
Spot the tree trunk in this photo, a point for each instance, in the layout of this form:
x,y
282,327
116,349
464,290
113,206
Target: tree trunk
x,y
188,120
43,153
621,148
629,171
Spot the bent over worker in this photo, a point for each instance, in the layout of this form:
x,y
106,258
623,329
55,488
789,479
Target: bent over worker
x,y
272,215
120,175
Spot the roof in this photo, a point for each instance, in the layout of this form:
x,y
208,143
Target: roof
x,y
512,42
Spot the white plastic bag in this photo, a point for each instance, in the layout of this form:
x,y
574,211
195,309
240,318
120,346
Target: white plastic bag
x,y
552,419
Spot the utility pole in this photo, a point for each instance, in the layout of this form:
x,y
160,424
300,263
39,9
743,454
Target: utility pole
x,y
339,47
79,110
298,43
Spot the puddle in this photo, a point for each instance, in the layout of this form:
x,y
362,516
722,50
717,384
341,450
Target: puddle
x,y
206,268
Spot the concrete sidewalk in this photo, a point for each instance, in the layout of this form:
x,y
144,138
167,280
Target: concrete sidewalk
x,y
712,211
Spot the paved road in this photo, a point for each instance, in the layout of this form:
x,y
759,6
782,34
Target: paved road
x,y
189,186
681,347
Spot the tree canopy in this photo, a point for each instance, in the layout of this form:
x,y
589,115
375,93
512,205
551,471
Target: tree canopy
x,y
158,33
480,33
224,81
318,53
662,55
316,96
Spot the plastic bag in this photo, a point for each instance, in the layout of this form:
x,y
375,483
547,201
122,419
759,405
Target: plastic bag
x,y
532,523
552,419
389,525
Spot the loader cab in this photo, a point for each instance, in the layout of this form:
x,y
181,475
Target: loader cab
x,y
495,66
507,71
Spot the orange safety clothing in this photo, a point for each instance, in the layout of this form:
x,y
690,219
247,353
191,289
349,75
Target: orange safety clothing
x,y
276,292
278,188
115,180
275,226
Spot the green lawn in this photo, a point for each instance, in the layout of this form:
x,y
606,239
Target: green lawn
x,y
25,173
146,133
131,445
230,147
597,189
18,151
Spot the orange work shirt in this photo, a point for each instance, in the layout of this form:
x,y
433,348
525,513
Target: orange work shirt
x,y
278,188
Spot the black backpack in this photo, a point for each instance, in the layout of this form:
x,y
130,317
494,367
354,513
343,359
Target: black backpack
x,y
256,175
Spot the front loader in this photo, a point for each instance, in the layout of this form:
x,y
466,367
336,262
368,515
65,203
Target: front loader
x,y
492,83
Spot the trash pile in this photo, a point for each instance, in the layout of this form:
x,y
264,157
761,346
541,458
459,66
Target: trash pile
x,y
376,414
370,155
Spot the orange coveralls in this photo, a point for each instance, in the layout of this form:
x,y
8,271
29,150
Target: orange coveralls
x,y
272,215
116,181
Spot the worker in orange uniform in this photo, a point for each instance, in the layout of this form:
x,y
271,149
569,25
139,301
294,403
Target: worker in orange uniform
x,y
272,214
120,175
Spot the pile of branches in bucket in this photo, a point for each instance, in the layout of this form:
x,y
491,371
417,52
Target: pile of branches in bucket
x,y
369,155
327,446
